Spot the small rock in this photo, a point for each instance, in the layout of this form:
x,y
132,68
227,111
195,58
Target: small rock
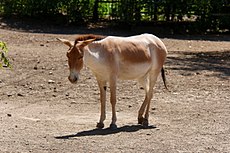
x,y
42,45
129,106
9,94
51,81
3,24
9,115
42,86
19,94
35,67
73,102
50,73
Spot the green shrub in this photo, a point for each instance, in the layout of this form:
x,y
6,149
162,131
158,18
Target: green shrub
x,y
4,61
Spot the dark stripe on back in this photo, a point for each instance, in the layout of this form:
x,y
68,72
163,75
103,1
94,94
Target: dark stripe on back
x,y
88,36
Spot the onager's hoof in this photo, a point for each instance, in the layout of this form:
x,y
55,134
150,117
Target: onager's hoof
x,y
145,123
100,125
140,120
113,126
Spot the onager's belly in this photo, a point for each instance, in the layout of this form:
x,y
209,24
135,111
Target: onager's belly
x,y
132,72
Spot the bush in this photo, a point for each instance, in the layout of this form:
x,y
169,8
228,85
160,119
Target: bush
x,y
4,62
64,11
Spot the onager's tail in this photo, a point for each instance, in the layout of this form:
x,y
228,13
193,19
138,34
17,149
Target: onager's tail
x,y
163,77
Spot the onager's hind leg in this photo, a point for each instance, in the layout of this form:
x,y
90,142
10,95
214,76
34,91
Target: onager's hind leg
x,y
149,81
102,86
145,84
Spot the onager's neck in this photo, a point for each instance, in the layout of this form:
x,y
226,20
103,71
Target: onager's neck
x,y
91,56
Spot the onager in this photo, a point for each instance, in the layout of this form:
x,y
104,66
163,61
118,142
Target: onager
x,y
111,58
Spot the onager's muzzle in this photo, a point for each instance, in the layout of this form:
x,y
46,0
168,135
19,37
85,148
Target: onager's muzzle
x,y
73,77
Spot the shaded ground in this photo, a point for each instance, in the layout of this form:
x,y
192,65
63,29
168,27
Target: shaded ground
x,y
40,111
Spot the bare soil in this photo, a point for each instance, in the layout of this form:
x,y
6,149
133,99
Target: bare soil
x,y
40,111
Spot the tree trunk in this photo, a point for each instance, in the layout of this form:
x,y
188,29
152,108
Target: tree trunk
x,y
155,15
95,11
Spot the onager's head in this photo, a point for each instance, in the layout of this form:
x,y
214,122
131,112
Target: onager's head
x,y
75,56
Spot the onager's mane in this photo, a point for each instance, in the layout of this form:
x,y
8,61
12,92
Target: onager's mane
x,y
88,36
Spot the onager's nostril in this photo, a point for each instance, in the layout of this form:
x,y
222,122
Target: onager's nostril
x,y
75,79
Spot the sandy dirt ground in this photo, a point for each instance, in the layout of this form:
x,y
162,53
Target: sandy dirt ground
x,y
41,111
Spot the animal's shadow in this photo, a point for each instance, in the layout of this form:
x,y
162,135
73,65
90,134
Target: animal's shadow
x,y
106,131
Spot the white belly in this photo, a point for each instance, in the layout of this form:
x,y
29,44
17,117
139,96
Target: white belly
x,y
132,72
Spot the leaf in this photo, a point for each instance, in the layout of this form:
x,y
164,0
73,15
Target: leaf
x,y
3,59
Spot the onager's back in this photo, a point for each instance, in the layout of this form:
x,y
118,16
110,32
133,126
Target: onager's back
x,y
137,57
131,57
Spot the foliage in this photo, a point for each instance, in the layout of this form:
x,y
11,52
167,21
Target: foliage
x,y
207,14
3,59
62,11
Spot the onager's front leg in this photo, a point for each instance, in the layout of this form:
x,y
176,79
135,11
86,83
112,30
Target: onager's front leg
x,y
102,86
113,102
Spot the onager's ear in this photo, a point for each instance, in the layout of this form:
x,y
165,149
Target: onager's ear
x,y
66,42
85,42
